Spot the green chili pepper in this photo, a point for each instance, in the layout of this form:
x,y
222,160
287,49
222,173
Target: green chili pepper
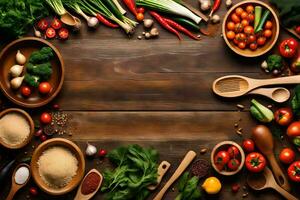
x,y
187,23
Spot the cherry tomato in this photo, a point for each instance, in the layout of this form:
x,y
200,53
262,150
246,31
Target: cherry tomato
x,y
233,164
244,15
140,16
102,153
63,33
43,24
242,45
241,37
267,33
288,48
56,24
230,26
249,30
230,35
268,25
253,46
233,151
261,41
283,116
287,156
250,9
43,138
248,145
251,17
235,41
238,27
33,191
235,18
255,162
50,33
235,187
140,10
297,29
294,171
45,88
245,22
25,91
239,11
251,39
46,118
294,129
221,159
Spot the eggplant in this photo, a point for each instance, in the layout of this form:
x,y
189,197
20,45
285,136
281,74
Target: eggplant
x,y
5,170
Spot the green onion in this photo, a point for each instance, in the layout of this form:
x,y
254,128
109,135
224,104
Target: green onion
x,y
169,6
262,21
120,8
257,12
57,6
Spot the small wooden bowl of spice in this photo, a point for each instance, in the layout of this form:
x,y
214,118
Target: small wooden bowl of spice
x,y
16,128
57,166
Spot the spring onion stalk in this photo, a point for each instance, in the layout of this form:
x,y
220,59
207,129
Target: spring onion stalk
x,y
257,13
57,6
169,6
262,21
120,8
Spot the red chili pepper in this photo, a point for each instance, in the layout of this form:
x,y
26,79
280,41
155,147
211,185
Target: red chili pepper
x,y
106,22
131,6
215,7
163,22
180,28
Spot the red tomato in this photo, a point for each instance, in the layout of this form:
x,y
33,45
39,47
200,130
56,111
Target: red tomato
x,y
235,18
248,145
249,30
268,25
251,39
242,45
297,29
233,164
233,151
43,24
267,33
230,35
288,48
294,129
283,116
140,10
25,91
50,33
56,24
45,88
238,27
235,41
261,41
102,153
253,46
239,11
250,9
241,37
63,33
255,162
294,171
244,15
230,26
245,22
287,156
251,17
140,17
222,158
46,118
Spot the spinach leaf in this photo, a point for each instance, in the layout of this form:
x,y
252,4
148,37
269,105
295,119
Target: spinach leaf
x,y
188,188
295,101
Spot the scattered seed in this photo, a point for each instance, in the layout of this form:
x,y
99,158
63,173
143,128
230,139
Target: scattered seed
x,y
239,132
240,129
236,125
203,150
173,189
245,195
244,187
139,37
144,33
199,36
240,106
269,106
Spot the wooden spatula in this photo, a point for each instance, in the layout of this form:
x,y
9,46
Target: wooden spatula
x,y
189,157
162,170
235,85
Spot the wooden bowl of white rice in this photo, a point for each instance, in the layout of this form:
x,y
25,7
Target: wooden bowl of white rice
x,y
57,166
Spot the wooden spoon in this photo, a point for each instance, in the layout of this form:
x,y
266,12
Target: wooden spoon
x,y
14,186
69,19
235,85
264,141
277,94
162,170
266,180
80,196
189,157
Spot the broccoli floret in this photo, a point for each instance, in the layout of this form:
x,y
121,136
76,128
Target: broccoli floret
x,y
44,70
274,62
43,55
32,80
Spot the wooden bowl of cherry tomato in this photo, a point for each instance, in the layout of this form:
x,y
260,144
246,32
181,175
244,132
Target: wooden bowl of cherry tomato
x,y
243,35
227,158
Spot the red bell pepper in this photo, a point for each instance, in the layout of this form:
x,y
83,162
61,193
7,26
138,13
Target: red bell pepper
x,y
288,48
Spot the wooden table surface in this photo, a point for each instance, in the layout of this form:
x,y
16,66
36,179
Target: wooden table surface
x,y
120,91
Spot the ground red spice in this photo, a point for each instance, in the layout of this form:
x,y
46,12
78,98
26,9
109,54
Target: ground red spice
x,y
90,183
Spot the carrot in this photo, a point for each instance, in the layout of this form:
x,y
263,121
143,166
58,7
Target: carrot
x,y
180,28
131,6
164,24
105,21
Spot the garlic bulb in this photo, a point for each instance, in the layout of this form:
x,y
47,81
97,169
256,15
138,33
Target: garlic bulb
x,y
205,5
148,23
90,150
16,70
20,58
264,65
228,3
15,83
215,19
92,22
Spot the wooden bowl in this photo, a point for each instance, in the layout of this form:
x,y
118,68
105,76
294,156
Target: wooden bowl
x,y
224,146
31,125
269,43
63,143
7,59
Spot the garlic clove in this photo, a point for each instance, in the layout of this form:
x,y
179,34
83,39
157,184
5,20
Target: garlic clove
x,y
215,19
20,58
91,150
154,32
15,83
16,70
148,23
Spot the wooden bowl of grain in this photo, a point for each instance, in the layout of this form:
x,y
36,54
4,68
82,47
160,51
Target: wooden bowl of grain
x,y
38,158
15,126
247,52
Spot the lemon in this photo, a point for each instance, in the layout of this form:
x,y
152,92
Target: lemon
x,y
212,185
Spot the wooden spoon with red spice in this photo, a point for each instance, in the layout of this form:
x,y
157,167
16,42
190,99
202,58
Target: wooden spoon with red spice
x,y
90,185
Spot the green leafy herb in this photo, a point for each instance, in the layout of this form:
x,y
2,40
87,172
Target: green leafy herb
x,y
295,101
188,188
260,112
274,62
136,169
